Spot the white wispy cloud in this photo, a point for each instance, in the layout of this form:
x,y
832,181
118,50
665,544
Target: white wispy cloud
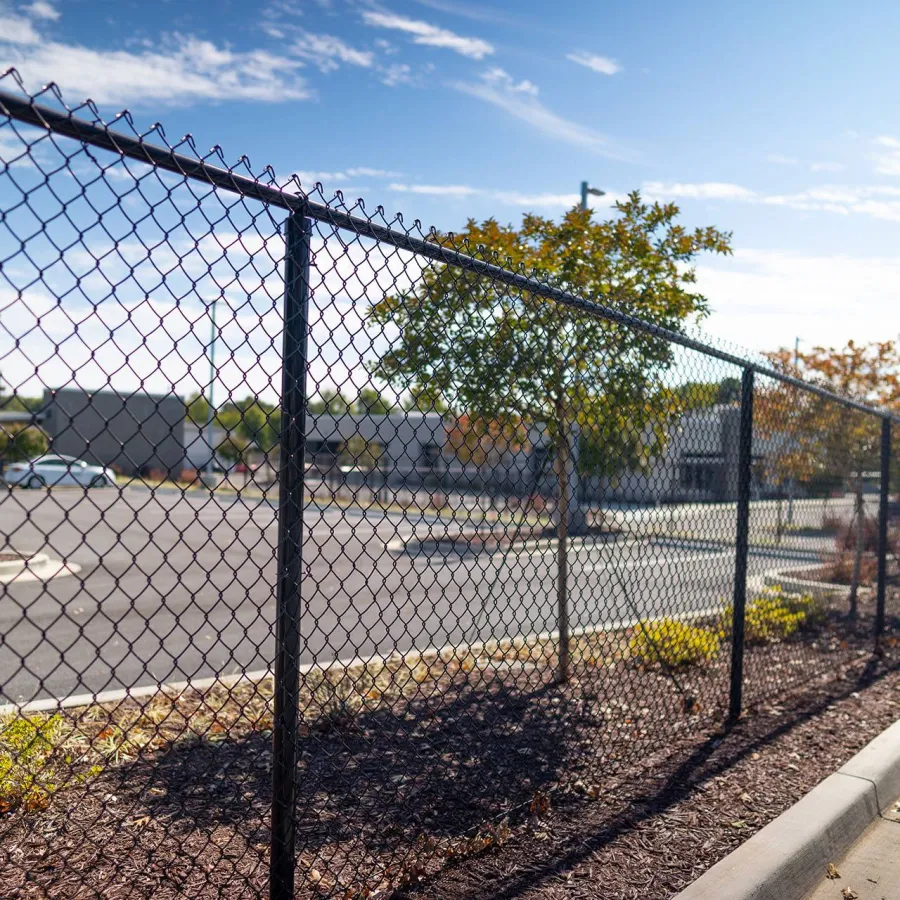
x,y
763,298
519,99
40,9
826,166
429,35
887,156
478,12
508,198
707,190
17,30
877,201
386,46
181,69
344,175
780,159
328,52
435,190
502,79
602,64
396,73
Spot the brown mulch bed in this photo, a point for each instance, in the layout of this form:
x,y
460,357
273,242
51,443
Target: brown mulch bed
x,y
683,811
617,784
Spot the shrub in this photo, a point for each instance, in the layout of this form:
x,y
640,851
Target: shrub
x,y
774,615
840,570
19,442
674,643
29,759
846,537
768,621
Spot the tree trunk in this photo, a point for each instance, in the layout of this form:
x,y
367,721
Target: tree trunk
x,y
779,522
860,547
562,559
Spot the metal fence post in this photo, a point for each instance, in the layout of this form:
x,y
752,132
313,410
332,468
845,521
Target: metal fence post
x,y
883,527
742,540
290,538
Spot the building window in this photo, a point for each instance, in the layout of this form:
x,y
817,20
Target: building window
x,y
431,454
322,454
539,456
696,476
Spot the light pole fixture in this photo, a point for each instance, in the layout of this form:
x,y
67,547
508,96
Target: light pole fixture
x,y
587,189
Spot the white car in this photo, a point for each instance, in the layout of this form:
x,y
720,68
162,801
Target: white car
x,y
55,470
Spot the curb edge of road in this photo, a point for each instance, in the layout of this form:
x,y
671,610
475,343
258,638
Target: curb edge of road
x,y
10,566
37,568
118,694
787,858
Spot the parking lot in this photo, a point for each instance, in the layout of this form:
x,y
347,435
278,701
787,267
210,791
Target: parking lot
x,y
181,585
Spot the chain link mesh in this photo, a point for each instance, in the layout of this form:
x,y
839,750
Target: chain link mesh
x,y
509,522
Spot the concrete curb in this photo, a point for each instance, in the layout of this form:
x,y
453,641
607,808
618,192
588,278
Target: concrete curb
x,y
821,590
39,567
116,695
11,566
788,858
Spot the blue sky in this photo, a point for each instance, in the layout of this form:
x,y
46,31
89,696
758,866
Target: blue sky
x,y
777,121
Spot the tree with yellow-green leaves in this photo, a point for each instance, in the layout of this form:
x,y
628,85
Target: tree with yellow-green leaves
x,y
818,437
503,354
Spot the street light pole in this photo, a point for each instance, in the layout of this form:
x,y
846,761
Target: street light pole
x,y
212,376
790,515
587,189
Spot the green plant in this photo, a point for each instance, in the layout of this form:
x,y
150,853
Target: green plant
x,y
30,755
768,621
19,442
774,615
673,643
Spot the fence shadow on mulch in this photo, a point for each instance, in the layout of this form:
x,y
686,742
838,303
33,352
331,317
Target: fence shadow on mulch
x,y
719,752
439,767
391,786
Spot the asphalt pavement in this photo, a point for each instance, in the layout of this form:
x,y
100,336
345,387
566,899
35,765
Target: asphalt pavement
x,y
175,586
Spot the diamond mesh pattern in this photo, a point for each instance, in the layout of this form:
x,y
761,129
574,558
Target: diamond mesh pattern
x,y
325,565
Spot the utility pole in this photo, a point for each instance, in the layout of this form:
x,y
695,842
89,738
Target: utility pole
x,y
210,413
587,189
790,515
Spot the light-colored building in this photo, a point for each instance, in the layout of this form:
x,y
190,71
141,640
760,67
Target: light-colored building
x,y
699,461
141,433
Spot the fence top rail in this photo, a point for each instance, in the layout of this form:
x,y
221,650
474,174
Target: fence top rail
x,y
23,108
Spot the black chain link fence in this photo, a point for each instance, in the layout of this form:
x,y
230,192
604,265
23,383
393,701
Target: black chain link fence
x,y
331,548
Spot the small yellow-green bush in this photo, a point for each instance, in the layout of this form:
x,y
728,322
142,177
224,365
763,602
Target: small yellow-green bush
x,y
813,610
774,615
674,643
29,747
768,620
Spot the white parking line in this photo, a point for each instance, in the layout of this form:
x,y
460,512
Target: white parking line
x,y
652,562
539,553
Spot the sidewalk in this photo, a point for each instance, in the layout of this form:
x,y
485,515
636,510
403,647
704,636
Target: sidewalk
x,y
869,870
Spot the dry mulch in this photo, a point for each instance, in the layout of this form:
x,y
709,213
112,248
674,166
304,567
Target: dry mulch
x,y
616,785
651,835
